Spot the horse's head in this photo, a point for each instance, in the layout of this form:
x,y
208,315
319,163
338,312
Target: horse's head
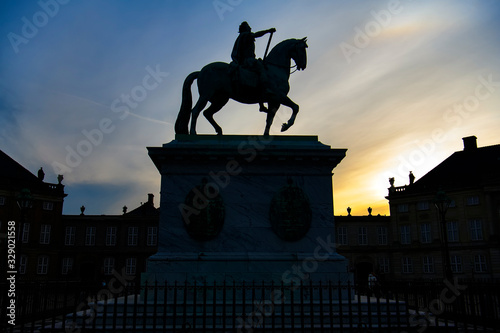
x,y
298,53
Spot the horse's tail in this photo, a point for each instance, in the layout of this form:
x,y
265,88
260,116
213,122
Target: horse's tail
x,y
181,124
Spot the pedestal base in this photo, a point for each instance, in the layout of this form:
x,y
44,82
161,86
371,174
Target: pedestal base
x,y
239,208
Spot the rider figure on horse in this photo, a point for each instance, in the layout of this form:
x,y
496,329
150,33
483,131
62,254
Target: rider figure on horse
x,y
243,54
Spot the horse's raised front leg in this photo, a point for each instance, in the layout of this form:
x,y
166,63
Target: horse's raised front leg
x,y
295,109
200,105
271,112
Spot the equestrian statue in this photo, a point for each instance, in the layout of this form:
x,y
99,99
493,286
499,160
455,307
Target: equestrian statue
x,y
246,80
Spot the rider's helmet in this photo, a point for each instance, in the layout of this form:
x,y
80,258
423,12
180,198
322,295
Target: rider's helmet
x,y
244,27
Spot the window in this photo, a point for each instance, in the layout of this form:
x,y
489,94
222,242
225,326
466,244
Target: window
x,y
456,264
362,236
67,265
23,262
2,201
428,264
133,233
109,265
476,230
90,236
110,236
452,204
342,235
43,265
425,233
480,263
452,230
407,265
383,265
382,235
26,232
69,236
473,200
405,234
130,267
45,234
48,205
423,205
403,208
152,236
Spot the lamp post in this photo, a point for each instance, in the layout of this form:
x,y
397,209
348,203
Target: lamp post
x,y
24,201
442,202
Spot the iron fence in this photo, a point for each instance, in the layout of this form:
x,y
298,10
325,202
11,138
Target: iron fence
x,y
398,306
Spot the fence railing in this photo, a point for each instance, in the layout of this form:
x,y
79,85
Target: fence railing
x,y
411,306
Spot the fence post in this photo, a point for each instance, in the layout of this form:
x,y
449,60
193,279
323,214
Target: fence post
x,y
174,305
282,305
349,303
184,301
273,315
134,318
214,307
155,305
195,296
165,297
292,306
126,292
263,297
341,316
204,295
234,304
224,312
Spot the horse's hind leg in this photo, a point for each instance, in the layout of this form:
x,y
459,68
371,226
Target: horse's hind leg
x,y
200,105
211,110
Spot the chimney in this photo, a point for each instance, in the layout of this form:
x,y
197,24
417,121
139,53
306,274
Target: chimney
x,y
470,143
151,199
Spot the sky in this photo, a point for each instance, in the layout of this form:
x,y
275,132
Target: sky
x,y
86,86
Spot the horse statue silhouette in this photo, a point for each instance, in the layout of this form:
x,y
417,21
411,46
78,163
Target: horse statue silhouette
x,y
216,84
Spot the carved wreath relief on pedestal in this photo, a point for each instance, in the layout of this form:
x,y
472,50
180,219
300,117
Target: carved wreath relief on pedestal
x,y
208,218
290,213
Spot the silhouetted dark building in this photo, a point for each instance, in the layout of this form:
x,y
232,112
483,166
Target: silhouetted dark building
x,y
52,246
469,186
409,243
366,241
36,208
95,245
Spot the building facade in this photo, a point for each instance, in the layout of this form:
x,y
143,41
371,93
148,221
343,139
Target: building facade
x,y
96,245
452,212
366,241
30,214
51,246
411,243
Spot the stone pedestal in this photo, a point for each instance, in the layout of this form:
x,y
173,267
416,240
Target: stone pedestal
x,y
244,208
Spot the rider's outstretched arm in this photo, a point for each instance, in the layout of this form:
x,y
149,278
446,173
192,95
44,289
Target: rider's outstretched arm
x,y
263,32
